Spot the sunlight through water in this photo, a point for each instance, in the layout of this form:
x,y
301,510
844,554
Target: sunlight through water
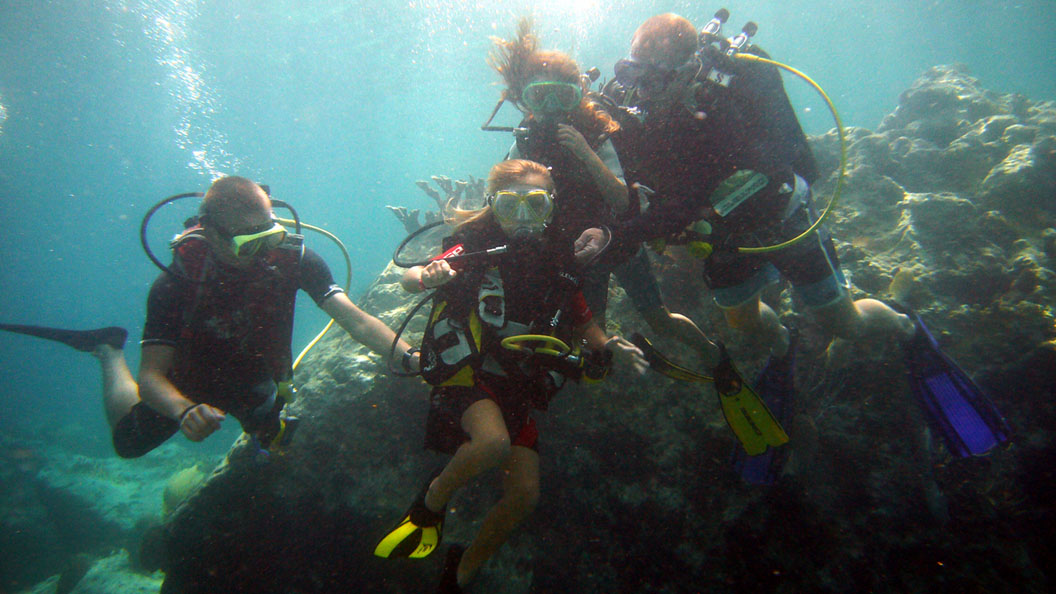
x,y
167,24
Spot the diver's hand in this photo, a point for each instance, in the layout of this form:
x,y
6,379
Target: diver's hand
x,y
436,274
571,139
589,245
201,421
627,355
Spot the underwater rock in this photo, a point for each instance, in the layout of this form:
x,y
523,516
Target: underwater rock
x,y
1024,182
180,486
76,568
942,103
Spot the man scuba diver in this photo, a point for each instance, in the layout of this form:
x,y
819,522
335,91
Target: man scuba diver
x,y
721,145
219,324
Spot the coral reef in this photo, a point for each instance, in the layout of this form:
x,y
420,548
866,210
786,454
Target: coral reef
x,y
457,193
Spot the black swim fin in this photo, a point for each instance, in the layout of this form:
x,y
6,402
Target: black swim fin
x,y
82,340
954,405
661,364
776,385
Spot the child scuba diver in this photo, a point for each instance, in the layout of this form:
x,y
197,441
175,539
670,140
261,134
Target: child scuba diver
x,y
486,380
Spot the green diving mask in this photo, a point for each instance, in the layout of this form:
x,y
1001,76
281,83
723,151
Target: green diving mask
x,y
529,209
261,238
551,97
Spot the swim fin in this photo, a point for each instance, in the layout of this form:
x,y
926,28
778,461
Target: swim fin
x,y
82,340
745,413
661,364
776,385
417,535
954,405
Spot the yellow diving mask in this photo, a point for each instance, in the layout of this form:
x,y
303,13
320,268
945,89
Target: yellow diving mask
x,y
531,208
259,239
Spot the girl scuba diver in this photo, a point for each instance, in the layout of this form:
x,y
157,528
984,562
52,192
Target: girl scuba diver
x,y
569,132
563,129
485,381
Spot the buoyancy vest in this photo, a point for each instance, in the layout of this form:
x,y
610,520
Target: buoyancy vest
x,y
757,94
469,320
740,140
262,300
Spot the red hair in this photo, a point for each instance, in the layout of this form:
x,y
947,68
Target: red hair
x,y
520,61
503,175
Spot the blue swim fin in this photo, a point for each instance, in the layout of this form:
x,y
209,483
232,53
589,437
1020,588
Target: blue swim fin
x,y
776,386
954,405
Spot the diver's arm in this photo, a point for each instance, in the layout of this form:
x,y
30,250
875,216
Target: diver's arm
x,y
612,188
422,278
622,350
197,421
365,328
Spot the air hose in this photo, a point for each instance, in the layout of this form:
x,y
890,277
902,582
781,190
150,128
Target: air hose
x,y
348,281
843,158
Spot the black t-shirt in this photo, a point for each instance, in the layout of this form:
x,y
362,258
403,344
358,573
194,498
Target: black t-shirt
x,y
234,330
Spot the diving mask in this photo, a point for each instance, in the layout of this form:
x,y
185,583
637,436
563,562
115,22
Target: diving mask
x,y
531,209
647,77
262,238
551,97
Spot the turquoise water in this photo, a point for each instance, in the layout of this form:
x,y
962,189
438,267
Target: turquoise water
x,y
108,106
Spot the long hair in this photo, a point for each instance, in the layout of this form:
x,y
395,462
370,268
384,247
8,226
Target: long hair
x,y
502,175
520,61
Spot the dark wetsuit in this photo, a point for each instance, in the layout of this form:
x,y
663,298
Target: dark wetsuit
x,y
579,206
530,285
744,122
231,336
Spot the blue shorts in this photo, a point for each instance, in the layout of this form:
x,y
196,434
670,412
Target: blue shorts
x,y
811,265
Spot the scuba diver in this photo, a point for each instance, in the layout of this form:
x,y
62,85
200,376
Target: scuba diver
x,y
486,378
568,129
720,143
219,324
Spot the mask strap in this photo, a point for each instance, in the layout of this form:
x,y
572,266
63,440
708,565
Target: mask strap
x,y
487,127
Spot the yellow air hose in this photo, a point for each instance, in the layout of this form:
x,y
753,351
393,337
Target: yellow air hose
x,y
348,281
843,158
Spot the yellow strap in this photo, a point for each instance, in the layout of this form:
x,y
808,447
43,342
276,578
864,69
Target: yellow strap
x,y
560,347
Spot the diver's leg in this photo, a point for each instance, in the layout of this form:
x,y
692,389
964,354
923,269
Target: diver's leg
x,y
854,320
683,329
488,446
760,323
520,494
120,391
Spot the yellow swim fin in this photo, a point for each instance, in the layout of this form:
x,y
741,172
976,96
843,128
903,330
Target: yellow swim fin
x,y
746,413
416,535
